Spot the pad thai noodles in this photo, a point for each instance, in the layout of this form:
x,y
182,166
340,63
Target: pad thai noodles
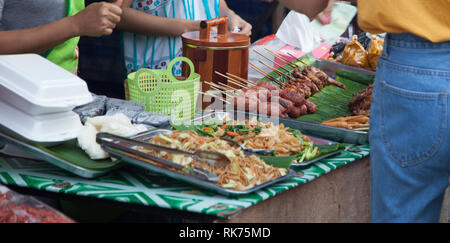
x,y
242,173
257,135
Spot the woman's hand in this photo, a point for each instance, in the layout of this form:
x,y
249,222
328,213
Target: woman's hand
x,y
237,23
324,17
98,19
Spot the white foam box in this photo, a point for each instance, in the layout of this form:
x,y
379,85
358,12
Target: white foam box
x,y
37,86
45,129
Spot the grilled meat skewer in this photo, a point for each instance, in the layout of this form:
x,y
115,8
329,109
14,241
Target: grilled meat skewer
x,y
313,71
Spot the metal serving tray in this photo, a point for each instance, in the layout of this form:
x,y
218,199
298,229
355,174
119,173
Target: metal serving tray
x,y
64,164
185,178
238,115
317,141
335,134
331,67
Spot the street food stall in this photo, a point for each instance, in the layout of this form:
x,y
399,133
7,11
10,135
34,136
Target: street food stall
x,y
291,146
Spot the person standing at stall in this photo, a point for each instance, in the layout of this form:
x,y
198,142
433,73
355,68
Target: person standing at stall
x,y
53,28
409,134
153,29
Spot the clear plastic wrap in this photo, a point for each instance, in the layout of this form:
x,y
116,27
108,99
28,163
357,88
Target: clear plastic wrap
x,y
17,208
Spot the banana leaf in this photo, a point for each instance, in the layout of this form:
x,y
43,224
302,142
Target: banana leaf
x,y
328,149
70,152
287,161
279,161
358,77
332,101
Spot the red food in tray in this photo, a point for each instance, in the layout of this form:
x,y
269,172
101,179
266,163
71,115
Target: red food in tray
x,y
16,208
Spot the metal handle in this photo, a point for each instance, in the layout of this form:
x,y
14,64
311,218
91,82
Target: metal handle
x,y
196,172
101,136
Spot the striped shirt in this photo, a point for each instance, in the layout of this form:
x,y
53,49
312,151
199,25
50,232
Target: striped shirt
x,y
155,52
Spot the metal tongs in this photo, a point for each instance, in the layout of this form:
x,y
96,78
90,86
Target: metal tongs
x,y
247,151
108,141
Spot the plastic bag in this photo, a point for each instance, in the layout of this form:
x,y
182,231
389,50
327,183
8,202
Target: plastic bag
x,y
341,16
295,30
127,107
354,54
374,52
151,119
95,108
135,111
17,208
338,47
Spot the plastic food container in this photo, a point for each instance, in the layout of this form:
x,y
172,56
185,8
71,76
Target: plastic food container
x,y
46,129
37,86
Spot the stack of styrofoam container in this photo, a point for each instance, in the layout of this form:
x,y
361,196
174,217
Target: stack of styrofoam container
x,y
37,98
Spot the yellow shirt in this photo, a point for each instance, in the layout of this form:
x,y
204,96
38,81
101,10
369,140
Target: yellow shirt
x,y
429,19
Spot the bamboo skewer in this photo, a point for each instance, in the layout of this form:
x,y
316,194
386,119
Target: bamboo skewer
x,y
265,74
271,61
227,87
296,59
233,81
281,58
215,96
218,88
242,79
276,70
213,85
238,84
238,79
223,92
224,87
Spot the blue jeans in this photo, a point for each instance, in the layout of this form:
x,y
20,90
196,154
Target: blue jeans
x,y
409,135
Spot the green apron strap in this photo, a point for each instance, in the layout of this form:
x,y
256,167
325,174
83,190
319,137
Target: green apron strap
x,y
65,54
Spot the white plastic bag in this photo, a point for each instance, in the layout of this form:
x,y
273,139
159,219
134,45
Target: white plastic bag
x,y
295,30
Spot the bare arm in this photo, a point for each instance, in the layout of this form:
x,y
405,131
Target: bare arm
x,y
310,8
96,20
142,23
36,40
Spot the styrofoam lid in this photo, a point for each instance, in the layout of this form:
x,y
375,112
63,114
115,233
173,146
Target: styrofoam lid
x,y
42,82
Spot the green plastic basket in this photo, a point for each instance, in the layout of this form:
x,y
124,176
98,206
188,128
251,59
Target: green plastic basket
x,y
162,93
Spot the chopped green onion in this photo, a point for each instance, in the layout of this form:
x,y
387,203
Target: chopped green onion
x,y
166,138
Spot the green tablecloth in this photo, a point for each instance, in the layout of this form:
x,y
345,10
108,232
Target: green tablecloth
x,y
141,187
